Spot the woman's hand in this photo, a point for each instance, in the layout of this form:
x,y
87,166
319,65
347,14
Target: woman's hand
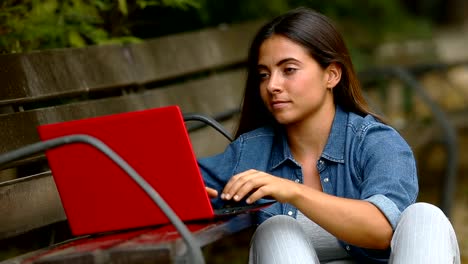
x,y
355,221
212,193
254,185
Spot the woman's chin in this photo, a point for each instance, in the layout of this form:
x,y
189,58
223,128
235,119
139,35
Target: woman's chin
x,y
284,119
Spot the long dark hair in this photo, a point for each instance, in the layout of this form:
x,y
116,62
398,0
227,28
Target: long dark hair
x,y
318,35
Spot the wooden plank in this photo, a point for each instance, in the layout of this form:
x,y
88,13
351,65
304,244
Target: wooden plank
x,y
18,129
56,73
29,203
211,95
69,72
181,54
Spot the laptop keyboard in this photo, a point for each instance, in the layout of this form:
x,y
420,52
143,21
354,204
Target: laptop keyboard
x,y
239,207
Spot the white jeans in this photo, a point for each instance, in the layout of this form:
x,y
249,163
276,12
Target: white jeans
x,y
423,235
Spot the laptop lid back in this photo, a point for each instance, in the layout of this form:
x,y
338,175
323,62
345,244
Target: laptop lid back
x,y
98,196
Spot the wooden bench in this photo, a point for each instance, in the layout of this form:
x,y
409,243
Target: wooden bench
x,y
202,72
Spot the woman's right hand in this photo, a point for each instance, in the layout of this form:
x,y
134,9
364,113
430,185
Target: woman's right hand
x,y
212,193
254,185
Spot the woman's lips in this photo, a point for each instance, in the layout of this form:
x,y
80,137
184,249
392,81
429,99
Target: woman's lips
x,y
279,104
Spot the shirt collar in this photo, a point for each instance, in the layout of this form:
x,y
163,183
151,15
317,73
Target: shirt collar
x,y
335,147
281,151
333,151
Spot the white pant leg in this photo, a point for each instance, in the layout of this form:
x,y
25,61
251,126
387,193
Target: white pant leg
x,y
424,235
281,240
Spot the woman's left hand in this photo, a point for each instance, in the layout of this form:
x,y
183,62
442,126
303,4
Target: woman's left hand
x,y
254,185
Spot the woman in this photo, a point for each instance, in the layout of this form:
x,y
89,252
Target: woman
x,y
345,182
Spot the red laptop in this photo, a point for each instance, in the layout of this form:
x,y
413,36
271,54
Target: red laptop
x,y
98,196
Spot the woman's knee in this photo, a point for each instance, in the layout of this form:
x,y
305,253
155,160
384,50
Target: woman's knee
x,y
424,233
281,239
422,217
423,211
278,226
279,220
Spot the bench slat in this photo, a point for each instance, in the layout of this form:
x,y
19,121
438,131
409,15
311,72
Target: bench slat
x,y
63,72
211,95
172,56
29,203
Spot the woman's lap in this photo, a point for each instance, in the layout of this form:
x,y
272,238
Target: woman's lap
x,y
423,233
281,239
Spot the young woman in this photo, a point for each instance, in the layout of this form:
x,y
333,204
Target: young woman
x,y
345,182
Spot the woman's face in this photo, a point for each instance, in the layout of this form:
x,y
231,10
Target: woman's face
x,y
293,86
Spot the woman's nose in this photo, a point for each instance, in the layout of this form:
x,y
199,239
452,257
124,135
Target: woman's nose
x,y
275,83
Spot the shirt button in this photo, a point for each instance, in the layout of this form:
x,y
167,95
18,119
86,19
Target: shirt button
x,y
321,161
348,248
297,180
290,213
325,180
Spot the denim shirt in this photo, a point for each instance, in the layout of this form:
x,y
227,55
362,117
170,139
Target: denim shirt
x,y
363,159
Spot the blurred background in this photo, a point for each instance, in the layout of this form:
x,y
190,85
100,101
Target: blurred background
x,y
419,33
27,25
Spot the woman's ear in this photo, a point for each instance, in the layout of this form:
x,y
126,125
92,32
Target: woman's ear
x,y
333,74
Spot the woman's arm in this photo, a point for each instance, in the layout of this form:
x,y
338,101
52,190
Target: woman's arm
x,y
354,221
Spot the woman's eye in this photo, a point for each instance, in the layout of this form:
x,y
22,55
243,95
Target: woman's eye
x,y
263,75
290,70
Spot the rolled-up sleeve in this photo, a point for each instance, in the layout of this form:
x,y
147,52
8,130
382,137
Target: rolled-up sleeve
x,y
388,169
387,206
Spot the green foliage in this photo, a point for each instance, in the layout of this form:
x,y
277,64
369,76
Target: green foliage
x,y
367,23
41,24
214,12
363,23
374,19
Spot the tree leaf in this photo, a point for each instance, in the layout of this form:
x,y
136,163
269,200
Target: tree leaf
x,y
75,39
123,7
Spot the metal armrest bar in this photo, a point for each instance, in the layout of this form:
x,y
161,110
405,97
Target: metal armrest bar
x,y
194,249
210,122
429,67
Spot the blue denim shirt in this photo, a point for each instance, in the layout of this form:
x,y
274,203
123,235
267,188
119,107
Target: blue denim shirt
x,y
363,159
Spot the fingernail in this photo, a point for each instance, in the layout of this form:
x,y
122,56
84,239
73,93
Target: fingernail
x,y
236,197
248,200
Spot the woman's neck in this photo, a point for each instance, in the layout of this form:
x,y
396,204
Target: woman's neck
x,y
308,138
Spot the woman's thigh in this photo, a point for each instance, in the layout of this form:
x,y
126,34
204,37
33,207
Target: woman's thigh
x,y
280,239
